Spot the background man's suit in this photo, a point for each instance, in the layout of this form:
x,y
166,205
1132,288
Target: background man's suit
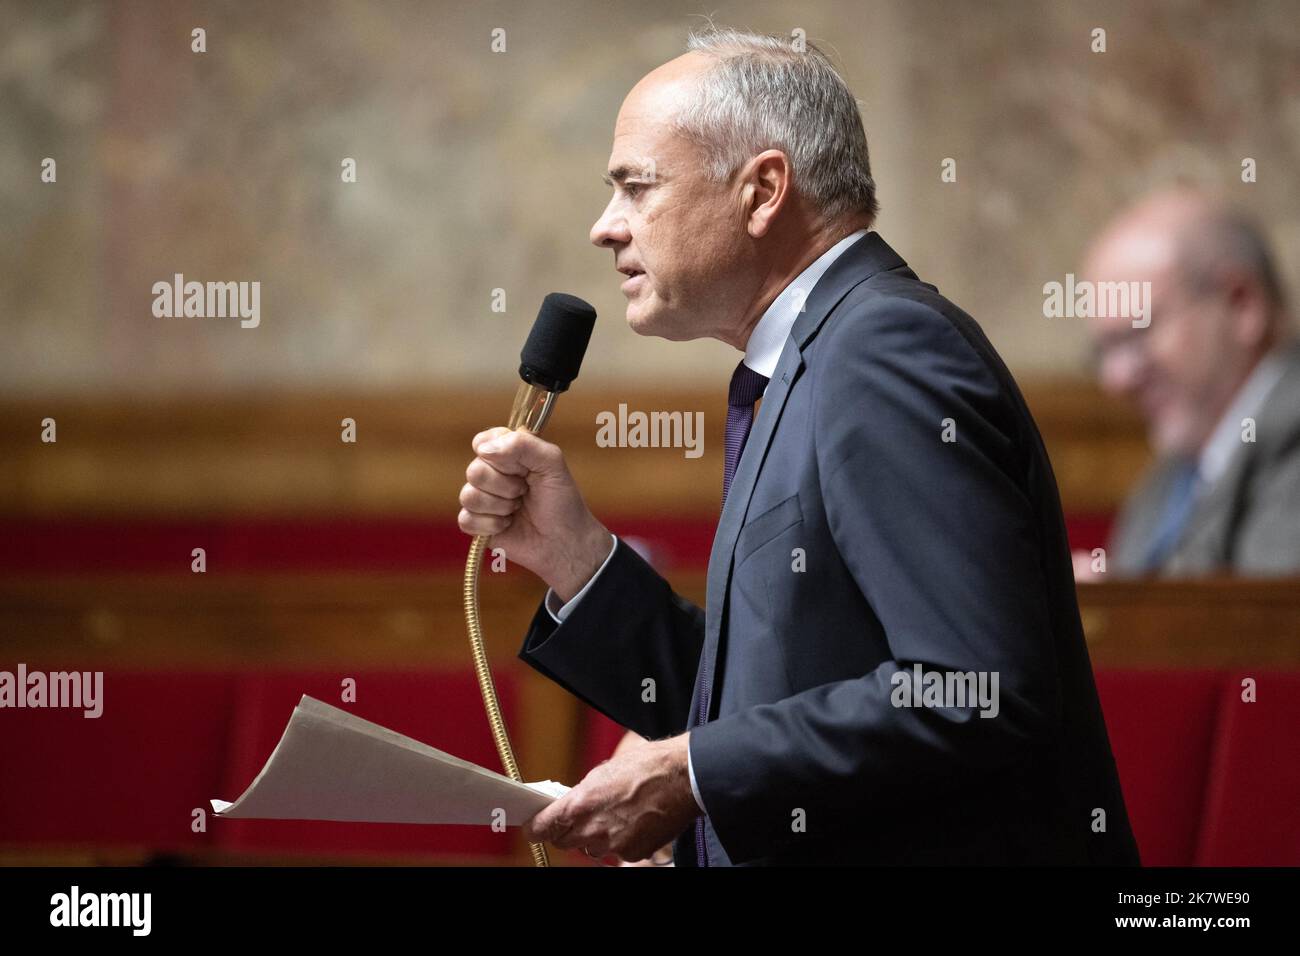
x,y
950,554
1248,521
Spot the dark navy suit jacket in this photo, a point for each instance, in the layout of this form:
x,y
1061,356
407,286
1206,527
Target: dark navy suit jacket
x,y
857,542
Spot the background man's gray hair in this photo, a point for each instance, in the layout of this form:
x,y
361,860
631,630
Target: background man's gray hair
x,y
765,94
1228,239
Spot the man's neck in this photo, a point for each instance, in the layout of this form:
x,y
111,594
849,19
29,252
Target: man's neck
x,y
786,271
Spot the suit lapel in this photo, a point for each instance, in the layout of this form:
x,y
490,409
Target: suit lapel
x,y
1205,540
860,261
737,506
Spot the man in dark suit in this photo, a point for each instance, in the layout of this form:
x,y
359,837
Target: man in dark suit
x,y
1216,376
890,666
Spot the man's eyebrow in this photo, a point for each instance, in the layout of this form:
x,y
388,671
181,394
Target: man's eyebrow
x,y
620,173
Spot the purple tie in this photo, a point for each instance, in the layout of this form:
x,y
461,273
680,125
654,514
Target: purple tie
x,y
746,388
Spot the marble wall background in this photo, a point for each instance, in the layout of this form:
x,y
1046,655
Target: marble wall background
x,y
479,170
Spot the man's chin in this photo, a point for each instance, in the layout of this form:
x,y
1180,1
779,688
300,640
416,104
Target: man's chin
x,y
641,322
1174,439
647,322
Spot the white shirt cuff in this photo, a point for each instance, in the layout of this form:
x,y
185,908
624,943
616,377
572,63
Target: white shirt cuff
x,y
690,769
560,613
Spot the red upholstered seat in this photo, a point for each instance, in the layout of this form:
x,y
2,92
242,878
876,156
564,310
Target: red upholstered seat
x,y
1208,779
1252,808
168,742
130,778
1161,725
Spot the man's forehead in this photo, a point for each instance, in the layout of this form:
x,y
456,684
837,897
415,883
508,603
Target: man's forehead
x,y
1135,253
639,130
665,88
644,141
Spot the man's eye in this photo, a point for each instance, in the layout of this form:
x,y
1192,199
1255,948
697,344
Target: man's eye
x,y
631,189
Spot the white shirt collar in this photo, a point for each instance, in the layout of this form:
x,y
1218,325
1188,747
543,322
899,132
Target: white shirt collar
x,y
767,340
1226,437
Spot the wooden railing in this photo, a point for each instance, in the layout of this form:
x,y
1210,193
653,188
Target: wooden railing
x,y
282,454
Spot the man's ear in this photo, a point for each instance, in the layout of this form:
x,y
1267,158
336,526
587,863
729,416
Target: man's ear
x,y
1250,308
765,188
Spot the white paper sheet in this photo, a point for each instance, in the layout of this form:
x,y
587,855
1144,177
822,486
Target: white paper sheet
x,y
332,765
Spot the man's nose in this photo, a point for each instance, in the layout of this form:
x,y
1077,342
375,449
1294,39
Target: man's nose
x,y
1123,372
611,228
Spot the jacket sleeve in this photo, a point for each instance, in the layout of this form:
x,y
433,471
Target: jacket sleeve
x,y
942,541
630,648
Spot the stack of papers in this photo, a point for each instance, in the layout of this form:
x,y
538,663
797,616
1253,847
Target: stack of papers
x,y
332,765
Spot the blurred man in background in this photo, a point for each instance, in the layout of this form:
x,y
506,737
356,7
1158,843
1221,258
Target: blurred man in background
x,y
1216,375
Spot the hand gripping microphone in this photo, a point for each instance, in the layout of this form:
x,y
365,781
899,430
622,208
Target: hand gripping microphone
x,y
549,362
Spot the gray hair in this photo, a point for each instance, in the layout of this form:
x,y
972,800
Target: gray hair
x,y
1227,238
764,93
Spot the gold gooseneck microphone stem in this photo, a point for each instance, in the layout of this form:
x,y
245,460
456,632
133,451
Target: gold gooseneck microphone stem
x,y
532,408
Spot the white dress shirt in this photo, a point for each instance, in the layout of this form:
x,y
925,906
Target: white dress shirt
x,y
762,352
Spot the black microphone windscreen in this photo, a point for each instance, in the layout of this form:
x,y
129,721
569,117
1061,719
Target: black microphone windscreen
x,y
553,353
